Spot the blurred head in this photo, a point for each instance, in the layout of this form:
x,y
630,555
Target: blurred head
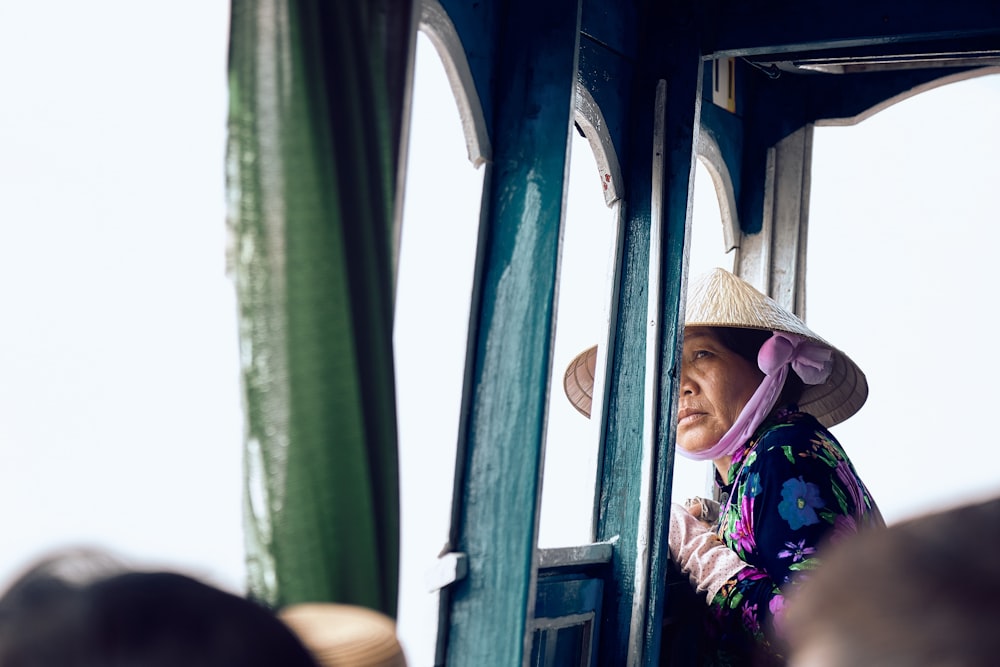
x,y
920,593
149,619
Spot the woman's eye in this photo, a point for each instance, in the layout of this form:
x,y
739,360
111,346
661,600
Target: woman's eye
x,y
701,354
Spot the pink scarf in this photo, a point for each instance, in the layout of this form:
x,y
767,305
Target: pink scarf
x,y
811,361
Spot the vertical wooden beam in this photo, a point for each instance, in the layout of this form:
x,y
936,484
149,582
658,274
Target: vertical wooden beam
x,y
683,69
621,464
512,334
638,454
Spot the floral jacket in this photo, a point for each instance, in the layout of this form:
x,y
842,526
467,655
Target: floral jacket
x,y
791,489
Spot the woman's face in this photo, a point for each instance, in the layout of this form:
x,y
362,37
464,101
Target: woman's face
x,y
715,385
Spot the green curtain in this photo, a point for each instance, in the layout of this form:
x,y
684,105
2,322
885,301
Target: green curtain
x,y
316,102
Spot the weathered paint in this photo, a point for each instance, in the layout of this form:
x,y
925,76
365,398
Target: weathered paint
x,y
490,608
620,485
626,633
683,72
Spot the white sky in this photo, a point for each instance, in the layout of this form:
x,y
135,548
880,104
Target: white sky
x,y
902,276
121,422
119,375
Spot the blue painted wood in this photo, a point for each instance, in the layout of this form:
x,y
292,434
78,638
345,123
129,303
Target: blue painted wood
x,y
773,104
535,52
559,596
965,46
570,588
619,490
624,49
609,77
613,25
626,99
683,72
726,127
567,611
620,493
476,24
770,109
742,28
619,484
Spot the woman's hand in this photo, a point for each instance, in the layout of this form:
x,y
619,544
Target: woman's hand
x,y
699,552
703,509
693,506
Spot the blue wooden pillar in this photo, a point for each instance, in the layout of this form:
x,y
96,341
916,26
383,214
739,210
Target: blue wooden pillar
x,y
658,164
619,491
677,138
535,49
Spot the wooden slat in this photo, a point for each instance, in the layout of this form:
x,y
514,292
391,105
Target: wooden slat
x,y
741,28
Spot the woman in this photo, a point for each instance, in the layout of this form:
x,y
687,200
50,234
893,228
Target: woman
x,y
758,391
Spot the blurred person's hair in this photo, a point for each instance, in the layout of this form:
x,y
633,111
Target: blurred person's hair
x,y
87,610
920,593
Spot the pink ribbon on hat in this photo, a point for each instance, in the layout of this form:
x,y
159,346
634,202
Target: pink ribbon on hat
x,y
811,361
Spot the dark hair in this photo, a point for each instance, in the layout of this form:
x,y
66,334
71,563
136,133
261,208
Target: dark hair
x,y
746,343
133,619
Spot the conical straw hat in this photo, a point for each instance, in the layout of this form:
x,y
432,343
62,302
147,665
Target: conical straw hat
x,y
578,382
341,635
721,299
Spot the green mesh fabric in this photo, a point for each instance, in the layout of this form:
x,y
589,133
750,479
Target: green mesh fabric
x,y
313,144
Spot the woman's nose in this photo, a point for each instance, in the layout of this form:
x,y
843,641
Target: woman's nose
x,y
687,384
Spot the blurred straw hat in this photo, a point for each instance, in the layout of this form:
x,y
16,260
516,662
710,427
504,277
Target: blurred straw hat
x,y
578,382
341,635
721,299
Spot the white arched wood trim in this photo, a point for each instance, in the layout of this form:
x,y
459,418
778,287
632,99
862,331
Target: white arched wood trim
x,y
711,157
916,90
591,121
436,24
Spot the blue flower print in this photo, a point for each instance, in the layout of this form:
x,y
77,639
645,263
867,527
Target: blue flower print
x,y
791,489
799,499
